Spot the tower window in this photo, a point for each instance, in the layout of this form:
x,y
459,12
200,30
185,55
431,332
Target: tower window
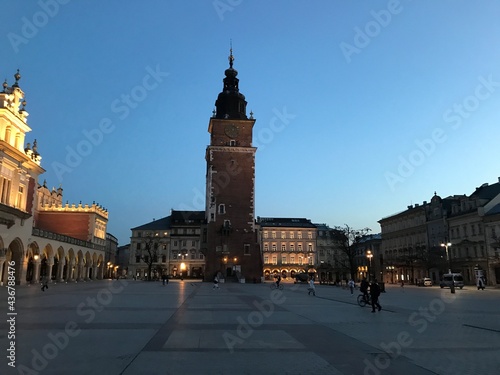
x,y
222,209
232,143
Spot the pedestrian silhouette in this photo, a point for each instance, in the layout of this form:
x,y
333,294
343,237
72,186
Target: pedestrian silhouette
x,y
375,293
45,283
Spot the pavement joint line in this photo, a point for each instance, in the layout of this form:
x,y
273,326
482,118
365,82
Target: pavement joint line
x,y
483,328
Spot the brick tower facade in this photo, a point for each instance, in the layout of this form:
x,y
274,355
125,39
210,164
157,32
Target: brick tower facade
x,y
231,235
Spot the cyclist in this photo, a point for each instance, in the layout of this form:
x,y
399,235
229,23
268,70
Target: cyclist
x,y
363,288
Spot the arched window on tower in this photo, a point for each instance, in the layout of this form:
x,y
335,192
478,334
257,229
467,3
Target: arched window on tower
x,y
222,208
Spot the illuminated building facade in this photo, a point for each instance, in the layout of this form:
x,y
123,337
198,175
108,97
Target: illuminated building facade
x,y
39,235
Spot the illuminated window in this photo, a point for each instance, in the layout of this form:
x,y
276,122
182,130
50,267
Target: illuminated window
x,y
5,190
20,197
283,247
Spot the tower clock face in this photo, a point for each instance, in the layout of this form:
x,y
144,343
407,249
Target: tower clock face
x,y
231,131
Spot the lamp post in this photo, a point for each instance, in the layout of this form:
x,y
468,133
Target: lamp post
x,y
446,245
369,255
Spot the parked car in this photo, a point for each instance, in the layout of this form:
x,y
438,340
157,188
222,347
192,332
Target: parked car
x,y
452,278
426,281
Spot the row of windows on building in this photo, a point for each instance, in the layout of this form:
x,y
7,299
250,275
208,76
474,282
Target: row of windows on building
x,y
179,231
274,247
163,246
285,260
283,234
455,252
174,256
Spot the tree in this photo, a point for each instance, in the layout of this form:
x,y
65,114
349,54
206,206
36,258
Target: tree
x,y
149,253
347,238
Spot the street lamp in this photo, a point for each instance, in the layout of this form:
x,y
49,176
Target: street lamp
x,y
369,255
452,286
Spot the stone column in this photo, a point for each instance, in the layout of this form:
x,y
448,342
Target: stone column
x,y
69,270
36,271
3,259
50,264
60,270
101,271
79,276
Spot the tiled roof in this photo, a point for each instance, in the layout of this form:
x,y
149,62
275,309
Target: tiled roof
x,y
285,222
163,223
187,217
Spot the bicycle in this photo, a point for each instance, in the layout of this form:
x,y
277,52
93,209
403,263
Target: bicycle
x,y
273,286
362,301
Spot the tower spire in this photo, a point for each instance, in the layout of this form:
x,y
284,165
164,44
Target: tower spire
x,y
231,57
230,103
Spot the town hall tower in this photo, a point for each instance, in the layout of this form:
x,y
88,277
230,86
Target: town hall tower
x,y
231,237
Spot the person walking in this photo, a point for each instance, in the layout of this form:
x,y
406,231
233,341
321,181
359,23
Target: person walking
x,y
363,288
480,283
45,282
351,285
374,294
216,283
311,288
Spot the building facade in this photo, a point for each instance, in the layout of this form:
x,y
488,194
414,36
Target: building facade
x,y
169,246
39,235
288,246
458,233
231,247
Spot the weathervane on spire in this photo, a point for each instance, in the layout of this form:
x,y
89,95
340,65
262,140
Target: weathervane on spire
x,y
231,57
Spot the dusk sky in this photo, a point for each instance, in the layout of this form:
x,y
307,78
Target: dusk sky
x,y
362,107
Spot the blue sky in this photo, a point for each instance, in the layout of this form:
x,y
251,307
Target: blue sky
x,y
362,107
